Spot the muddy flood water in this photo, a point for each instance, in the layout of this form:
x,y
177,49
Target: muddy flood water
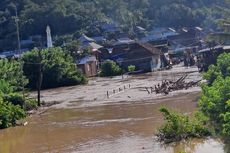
x,y
122,126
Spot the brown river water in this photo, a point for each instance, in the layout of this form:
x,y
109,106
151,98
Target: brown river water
x,y
87,122
117,128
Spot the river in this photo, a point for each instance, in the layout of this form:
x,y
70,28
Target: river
x,y
97,126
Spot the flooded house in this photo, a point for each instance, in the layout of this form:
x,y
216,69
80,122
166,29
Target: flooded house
x,y
144,56
208,56
88,65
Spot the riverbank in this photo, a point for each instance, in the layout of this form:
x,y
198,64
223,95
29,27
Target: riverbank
x,y
95,93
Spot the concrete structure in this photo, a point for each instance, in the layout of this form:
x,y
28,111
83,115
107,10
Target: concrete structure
x,y
49,37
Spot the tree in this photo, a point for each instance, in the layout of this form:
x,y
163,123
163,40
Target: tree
x,y
215,97
110,68
59,69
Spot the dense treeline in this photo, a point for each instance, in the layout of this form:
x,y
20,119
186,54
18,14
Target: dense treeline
x,y
78,16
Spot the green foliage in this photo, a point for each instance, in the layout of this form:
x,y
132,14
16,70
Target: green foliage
x,y
131,68
11,73
14,98
110,68
5,87
215,102
221,69
31,104
9,114
72,17
178,126
215,97
58,69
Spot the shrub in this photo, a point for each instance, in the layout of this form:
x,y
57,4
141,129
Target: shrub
x,y
110,68
178,126
131,68
11,72
31,104
9,114
14,98
5,87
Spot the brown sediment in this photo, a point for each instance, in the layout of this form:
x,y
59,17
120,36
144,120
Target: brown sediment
x,y
119,124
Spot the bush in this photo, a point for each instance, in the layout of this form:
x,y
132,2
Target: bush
x,y
178,126
9,114
31,104
5,87
15,99
131,68
11,72
58,67
110,68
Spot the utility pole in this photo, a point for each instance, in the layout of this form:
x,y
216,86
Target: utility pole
x,y
19,48
40,77
17,27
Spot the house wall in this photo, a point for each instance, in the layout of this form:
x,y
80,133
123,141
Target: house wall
x,y
135,54
156,63
89,69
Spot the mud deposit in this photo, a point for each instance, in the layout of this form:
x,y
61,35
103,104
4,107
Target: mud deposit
x,y
118,128
88,122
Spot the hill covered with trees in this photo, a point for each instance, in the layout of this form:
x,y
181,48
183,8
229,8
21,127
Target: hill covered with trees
x,y
86,16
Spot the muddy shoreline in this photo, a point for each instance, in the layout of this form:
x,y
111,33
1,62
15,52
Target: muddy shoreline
x,y
95,92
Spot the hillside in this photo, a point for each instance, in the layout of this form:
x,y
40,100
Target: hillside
x,y
86,16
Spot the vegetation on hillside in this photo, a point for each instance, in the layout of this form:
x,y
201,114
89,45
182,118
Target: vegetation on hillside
x,y
73,17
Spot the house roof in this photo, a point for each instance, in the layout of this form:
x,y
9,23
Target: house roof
x,y
85,38
95,45
140,28
122,41
87,59
150,48
219,47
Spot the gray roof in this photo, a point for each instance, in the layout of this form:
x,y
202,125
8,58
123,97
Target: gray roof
x,y
121,41
87,59
95,45
85,38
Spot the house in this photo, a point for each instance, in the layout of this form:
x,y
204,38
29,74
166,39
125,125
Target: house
x,y
159,34
208,56
187,38
143,56
88,65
